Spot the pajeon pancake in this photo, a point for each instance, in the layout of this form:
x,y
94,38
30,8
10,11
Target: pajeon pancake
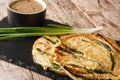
x,y
81,56
42,55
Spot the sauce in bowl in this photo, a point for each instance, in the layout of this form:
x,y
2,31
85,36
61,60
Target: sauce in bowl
x,y
26,6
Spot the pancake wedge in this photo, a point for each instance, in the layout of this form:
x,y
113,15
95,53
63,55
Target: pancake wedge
x,y
42,55
80,56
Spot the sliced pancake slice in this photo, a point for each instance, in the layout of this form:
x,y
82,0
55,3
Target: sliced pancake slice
x,y
42,55
89,56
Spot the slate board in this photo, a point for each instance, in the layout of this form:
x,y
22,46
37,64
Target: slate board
x,y
19,52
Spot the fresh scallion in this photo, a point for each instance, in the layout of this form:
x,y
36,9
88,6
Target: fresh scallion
x,y
52,29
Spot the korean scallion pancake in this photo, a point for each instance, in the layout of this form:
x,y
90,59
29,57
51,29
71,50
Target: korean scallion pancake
x,y
88,56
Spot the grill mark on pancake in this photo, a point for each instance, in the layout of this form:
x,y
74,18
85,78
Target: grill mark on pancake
x,y
112,45
87,41
108,41
59,52
73,65
42,52
73,50
53,42
110,51
83,77
69,65
64,49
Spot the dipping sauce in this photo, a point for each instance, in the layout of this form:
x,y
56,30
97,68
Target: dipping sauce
x,y
26,6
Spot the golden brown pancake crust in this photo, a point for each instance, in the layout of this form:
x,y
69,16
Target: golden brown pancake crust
x,y
89,56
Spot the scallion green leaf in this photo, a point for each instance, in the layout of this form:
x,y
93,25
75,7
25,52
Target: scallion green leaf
x,y
52,29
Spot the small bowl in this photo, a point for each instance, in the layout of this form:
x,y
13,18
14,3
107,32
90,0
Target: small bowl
x,y
26,19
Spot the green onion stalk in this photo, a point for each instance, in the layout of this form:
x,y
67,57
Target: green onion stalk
x,y
51,29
